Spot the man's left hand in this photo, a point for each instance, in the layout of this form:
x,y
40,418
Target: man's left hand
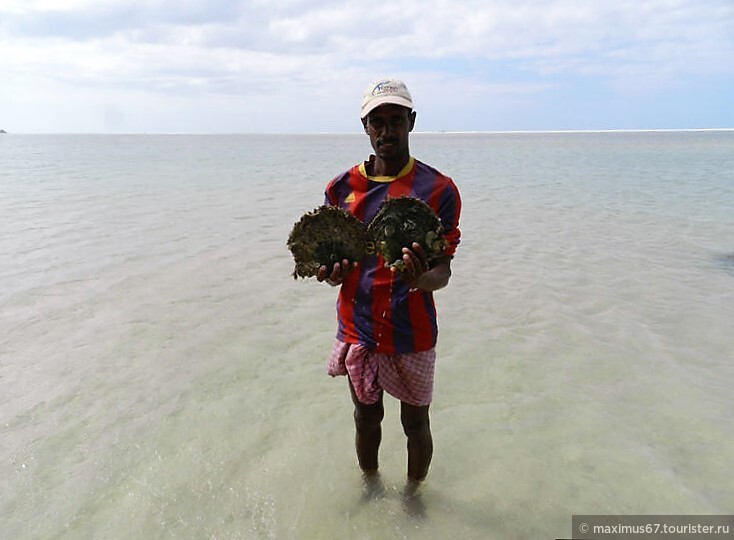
x,y
416,263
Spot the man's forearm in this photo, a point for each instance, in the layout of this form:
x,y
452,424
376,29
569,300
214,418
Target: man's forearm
x,y
434,279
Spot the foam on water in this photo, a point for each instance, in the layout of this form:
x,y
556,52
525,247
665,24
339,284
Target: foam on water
x,y
161,374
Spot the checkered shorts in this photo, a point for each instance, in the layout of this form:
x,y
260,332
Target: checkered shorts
x,y
407,377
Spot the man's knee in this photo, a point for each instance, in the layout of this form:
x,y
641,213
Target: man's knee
x,y
415,420
368,417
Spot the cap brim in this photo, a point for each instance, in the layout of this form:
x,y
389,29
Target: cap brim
x,y
386,100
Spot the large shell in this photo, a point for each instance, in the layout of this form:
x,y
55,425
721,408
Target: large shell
x,y
400,222
325,236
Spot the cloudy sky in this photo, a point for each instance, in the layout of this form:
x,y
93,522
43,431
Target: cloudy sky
x,y
224,66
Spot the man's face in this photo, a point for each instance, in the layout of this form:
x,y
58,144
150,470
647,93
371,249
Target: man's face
x,y
387,127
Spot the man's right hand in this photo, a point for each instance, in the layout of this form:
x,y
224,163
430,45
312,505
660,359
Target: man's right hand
x,y
337,274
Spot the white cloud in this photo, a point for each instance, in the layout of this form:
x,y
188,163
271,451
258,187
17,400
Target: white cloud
x,y
325,51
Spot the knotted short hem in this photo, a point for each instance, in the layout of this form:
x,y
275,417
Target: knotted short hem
x,y
407,377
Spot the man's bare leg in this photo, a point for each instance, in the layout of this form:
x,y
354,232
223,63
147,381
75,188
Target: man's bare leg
x,y
417,428
368,424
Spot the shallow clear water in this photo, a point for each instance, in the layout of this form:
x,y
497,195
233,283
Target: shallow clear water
x,y
162,376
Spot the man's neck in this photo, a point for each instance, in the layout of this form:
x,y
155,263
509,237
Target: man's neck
x,y
392,167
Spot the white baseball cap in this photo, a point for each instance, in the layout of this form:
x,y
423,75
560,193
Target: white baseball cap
x,y
385,91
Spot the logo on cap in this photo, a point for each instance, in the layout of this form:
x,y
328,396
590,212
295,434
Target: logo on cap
x,y
386,87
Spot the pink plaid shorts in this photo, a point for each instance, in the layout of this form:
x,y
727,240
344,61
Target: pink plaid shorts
x,y
407,377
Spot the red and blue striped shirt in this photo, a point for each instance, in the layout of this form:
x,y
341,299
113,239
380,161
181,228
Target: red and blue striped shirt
x,y
375,306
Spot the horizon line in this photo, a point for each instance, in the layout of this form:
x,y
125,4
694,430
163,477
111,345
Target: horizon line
x,y
427,132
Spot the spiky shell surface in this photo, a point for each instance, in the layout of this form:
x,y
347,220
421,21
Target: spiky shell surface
x,y
401,221
324,236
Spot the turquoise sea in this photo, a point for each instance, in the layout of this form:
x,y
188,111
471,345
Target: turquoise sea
x,y
163,376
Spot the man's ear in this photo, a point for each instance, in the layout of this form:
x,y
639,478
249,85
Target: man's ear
x,y
364,124
411,120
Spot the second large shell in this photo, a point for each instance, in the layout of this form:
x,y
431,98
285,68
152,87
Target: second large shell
x,y
400,222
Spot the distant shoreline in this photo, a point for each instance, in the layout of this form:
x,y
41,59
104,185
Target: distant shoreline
x,y
654,130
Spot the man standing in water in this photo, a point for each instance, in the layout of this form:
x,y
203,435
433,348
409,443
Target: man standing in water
x,y
387,328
